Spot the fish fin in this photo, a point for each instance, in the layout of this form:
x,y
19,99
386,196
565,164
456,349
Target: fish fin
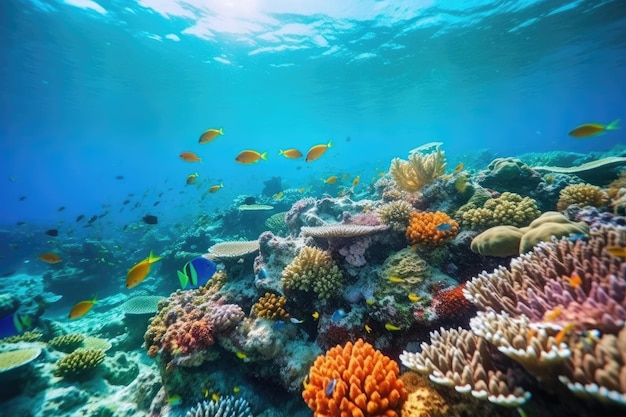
x,y
613,125
330,143
281,152
94,300
264,156
184,279
152,259
221,131
194,275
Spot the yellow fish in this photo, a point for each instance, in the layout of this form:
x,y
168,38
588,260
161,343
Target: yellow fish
x,y
370,302
241,355
174,399
330,180
396,279
356,181
236,390
458,168
593,129
392,327
414,297
209,135
617,251
278,196
50,258
564,332
81,308
574,280
290,153
140,271
250,157
215,397
315,315
553,314
215,188
368,328
191,179
316,151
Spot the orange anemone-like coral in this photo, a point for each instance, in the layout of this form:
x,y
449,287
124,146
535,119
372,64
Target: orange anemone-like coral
x,y
355,380
430,228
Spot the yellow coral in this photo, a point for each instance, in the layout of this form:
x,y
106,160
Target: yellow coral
x,y
315,270
419,170
79,363
582,195
508,209
271,307
68,342
396,214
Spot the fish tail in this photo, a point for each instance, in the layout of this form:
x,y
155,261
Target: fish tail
x,y
281,152
329,144
184,279
152,259
264,156
613,125
221,131
221,185
94,300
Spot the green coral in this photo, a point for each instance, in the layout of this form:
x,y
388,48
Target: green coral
x,y
80,363
24,337
396,214
276,223
508,209
405,264
68,342
313,270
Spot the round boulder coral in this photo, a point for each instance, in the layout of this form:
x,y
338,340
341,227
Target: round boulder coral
x,y
508,209
354,380
582,195
396,214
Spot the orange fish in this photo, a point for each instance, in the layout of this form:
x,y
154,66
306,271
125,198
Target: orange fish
x,y
458,168
210,134
346,176
574,280
593,129
215,188
553,314
191,179
331,180
356,181
564,331
617,251
50,258
190,157
140,271
291,153
316,151
81,308
250,157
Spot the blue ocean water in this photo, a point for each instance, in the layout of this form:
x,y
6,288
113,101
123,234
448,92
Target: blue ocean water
x,y
99,98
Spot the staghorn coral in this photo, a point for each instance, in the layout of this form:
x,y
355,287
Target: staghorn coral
x,y
462,360
508,209
271,307
396,214
354,380
539,282
78,364
428,228
67,343
313,270
227,406
581,195
419,170
24,337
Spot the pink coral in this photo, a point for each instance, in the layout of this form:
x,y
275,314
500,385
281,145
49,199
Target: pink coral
x,y
354,252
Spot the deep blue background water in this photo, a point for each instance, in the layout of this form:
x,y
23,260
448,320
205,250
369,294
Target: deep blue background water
x,y
92,90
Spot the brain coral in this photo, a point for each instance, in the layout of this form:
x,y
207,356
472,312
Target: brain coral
x,y
313,269
405,264
355,380
508,209
581,195
396,214
429,228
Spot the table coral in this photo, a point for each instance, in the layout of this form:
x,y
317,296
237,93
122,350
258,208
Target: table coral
x,y
313,270
508,209
271,307
419,170
429,228
581,195
354,380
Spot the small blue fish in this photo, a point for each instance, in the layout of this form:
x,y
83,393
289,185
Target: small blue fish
x,y
576,236
295,320
196,272
338,315
330,387
444,227
14,324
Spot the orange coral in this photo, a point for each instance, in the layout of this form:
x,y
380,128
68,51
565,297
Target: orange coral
x,y
451,303
354,381
271,307
428,228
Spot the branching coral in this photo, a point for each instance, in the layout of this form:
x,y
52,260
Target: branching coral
x,y
460,359
313,270
581,195
79,363
396,214
271,307
430,228
419,170
354,380
508,209
67,343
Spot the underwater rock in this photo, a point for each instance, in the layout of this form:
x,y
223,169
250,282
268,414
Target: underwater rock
x,y
509,174
119,369
63,400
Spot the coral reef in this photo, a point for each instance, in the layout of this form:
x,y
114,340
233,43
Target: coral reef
x,y
581,195
227,406
396,214
79,364
271,307
407,265
313,270
594,172
419,170
507,209
355,380
67,343
451,303
276,223
509,175
430,228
